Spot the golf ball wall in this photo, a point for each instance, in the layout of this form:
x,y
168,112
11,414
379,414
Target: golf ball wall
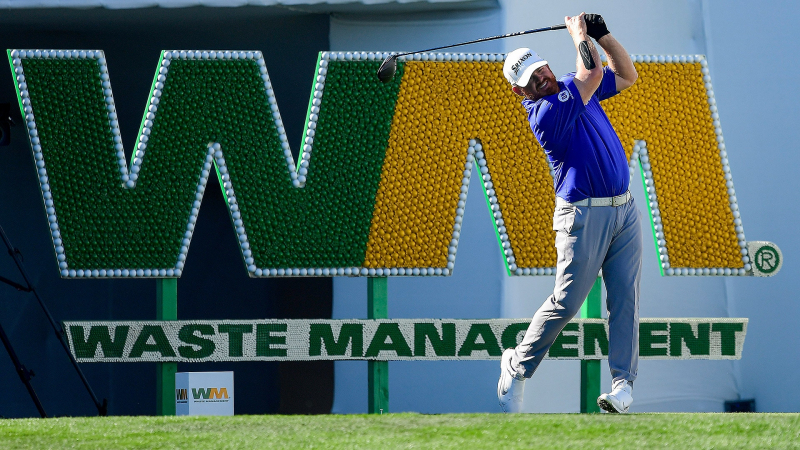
x,y
439,142
112,219
670,119
381,183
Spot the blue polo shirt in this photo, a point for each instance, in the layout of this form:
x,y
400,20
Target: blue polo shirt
x,y
579,140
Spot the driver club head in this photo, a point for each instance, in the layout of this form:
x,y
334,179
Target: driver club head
x,y
387,69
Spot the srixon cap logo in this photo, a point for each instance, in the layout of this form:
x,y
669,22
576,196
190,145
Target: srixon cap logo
x,y
518,64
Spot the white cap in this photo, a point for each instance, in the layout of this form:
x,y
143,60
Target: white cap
x,y
520,64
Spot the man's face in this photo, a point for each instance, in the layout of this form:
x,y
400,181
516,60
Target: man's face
x,y
541,84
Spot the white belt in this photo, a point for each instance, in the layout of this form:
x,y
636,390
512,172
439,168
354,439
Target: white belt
x,y
602,201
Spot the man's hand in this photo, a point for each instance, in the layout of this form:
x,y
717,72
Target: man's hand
x,y
618,59
595,26
576,26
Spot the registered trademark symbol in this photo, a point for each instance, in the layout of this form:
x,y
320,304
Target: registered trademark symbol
x,y
767,259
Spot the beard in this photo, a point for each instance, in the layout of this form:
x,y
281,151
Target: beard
x,y
550,89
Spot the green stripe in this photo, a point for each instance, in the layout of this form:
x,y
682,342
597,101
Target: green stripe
x,y
491,213
650,214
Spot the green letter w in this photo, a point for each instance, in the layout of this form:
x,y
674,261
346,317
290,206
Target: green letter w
x,y
208,115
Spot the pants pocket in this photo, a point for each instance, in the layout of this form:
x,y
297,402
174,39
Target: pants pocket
x,y
564,219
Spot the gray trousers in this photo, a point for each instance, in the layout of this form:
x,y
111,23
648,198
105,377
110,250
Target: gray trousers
x,y
588,239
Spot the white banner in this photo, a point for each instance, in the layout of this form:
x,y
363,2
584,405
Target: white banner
x,y
386,340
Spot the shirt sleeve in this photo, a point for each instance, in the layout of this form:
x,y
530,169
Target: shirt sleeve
x,y
553,119
608,85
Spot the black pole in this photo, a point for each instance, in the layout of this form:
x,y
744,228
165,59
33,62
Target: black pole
x,y
102,408
502,36
388,68
24,374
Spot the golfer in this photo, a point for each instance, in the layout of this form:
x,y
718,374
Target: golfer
x,y
597,224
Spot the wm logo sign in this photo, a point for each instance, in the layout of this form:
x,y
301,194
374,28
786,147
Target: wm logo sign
x,y
209,393
381,183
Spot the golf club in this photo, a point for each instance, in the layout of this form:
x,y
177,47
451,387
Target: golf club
x,y
389,66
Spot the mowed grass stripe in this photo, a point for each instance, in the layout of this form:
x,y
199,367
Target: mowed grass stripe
x,y
456,431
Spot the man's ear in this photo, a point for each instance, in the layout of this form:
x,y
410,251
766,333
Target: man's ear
x,y
518,90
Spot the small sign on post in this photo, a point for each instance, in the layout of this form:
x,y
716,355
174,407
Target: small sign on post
x,y
204,393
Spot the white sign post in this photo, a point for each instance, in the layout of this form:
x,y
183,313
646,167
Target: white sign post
x,y
204,393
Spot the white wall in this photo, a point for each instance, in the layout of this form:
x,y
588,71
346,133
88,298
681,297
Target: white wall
x,y
750,51
409,32
642,26
753,62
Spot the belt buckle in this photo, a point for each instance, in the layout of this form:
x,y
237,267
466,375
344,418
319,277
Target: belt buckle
x,y
620,199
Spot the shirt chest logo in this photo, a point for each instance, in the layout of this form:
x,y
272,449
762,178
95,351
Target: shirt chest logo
x,y
563,95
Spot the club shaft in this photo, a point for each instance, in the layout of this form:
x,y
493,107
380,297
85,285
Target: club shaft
x,y
518,33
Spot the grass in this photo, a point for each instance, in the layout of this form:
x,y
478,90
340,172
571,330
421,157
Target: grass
x,y
404,431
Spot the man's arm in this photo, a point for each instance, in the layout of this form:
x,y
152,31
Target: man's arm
x,y
589,71
619,61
